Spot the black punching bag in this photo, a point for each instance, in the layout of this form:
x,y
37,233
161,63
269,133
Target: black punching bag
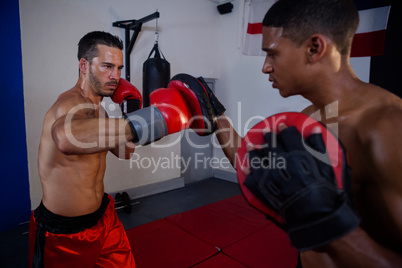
x,y
155,74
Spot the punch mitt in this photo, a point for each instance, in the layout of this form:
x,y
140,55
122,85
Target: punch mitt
x,y
299,178
218,107
203,121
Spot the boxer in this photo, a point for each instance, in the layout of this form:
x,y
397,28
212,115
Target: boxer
x,y
307,45
76,225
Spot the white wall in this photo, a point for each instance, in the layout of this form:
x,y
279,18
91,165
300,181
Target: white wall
x,y
195,39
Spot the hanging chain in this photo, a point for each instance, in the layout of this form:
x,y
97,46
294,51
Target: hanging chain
x,y
156,31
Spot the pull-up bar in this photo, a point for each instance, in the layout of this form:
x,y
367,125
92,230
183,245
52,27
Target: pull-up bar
x,y
134,25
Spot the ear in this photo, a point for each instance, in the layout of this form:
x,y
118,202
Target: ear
x,y
316,47
83,65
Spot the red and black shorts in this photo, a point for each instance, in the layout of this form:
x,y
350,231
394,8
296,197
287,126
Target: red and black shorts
x,y
94,240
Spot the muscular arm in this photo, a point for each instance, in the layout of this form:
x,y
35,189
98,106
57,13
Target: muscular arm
x,y
228,139
378,241
358,249
124,151
80,128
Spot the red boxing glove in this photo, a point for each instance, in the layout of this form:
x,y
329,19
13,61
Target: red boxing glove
x,y
173,107
128,96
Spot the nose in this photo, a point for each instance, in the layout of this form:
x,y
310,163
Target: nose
x,y
267,66
115,73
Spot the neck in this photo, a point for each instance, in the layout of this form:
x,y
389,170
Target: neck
x,y
87,92
340,85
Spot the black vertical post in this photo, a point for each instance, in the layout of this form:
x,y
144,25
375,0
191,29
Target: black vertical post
x,y
127,55
129,25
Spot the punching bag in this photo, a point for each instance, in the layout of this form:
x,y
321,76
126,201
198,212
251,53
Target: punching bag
x,y
155,73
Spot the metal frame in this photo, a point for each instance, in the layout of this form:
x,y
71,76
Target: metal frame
x,y
134,25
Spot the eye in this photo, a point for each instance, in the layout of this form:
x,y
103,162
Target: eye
x,y
270,54
107,66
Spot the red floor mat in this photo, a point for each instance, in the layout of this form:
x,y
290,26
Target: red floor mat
x,y
220,261
269,247
221,223
190,239
162,244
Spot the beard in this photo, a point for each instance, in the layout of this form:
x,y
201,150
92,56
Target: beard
x,y
97,87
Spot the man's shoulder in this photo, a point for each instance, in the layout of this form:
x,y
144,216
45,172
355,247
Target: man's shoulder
x,y
379,132
72,96
381,123
386,108
70,100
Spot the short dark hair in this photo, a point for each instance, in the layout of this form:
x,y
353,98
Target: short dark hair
x,y
88,45
300,19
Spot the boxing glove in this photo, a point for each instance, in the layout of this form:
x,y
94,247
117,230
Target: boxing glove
x,y
204,120
300,179
168,113
127,96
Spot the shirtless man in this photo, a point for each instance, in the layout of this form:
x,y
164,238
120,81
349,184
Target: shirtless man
x,y
76,224
308,45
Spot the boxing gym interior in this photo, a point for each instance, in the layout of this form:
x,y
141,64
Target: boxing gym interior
x,y
178,199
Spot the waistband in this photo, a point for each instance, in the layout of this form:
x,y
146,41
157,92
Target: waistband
x,y
68,225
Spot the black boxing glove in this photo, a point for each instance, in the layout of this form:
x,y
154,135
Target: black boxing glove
x,y
301,188
299,179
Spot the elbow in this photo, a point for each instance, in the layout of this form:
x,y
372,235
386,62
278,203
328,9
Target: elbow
x,y
129,151
61,141
124,152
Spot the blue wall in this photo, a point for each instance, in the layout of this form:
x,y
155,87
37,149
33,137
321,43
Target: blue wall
x,y
15,205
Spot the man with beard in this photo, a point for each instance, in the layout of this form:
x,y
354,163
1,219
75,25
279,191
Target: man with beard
x,y
76,224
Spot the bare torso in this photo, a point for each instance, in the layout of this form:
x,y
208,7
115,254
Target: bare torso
x,y
72,184
355,122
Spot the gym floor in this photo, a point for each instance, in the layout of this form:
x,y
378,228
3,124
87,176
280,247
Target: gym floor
x,y
14,243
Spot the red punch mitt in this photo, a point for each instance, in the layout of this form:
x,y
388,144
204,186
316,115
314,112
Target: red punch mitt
x,y
299,178
198,101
